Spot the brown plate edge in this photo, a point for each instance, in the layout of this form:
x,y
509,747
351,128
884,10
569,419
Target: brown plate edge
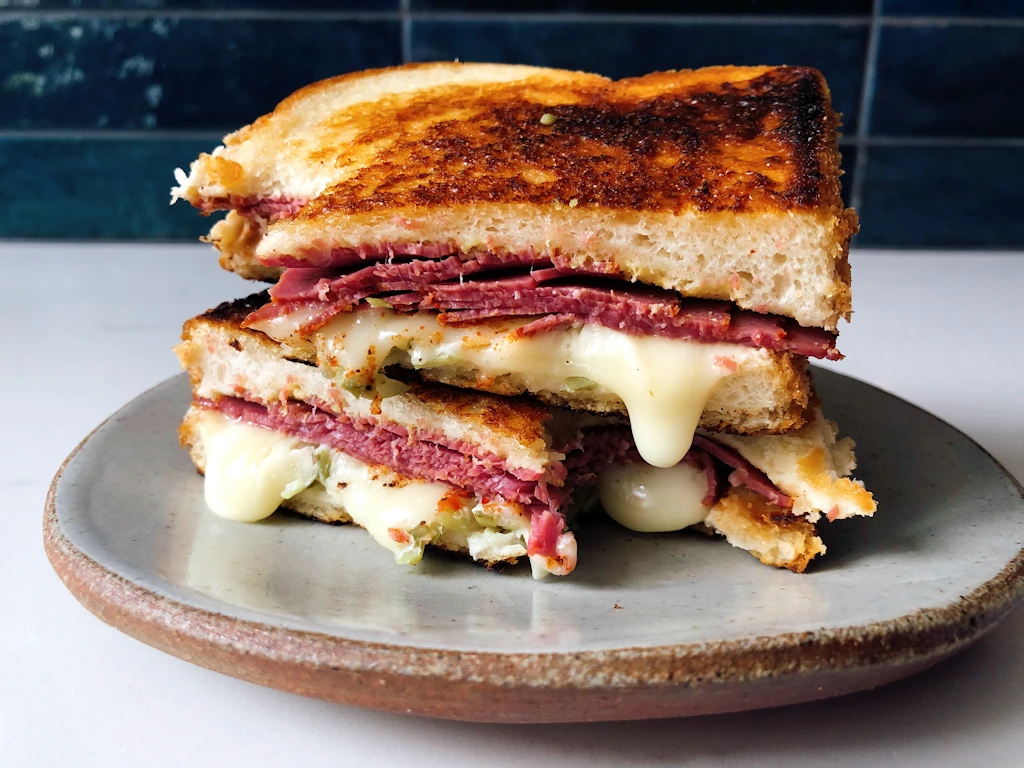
x,y
615,684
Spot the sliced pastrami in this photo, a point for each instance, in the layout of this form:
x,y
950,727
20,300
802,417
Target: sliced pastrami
x,y
496,286
377,445
743,472
270,208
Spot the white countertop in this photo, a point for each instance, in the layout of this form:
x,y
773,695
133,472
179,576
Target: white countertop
x,y
88,327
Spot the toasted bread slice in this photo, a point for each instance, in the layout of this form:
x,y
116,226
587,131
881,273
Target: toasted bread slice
x,y
719,183
771,534
768,394
810,465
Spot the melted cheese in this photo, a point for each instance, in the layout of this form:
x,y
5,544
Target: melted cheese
x,y
396,512
664,383
653,499
249,470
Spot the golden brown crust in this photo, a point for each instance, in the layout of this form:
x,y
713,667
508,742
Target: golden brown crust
x,y
235,237
721,139
770,533
683,179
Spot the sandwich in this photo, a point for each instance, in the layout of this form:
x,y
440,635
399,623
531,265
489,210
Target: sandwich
x,y
657,257
420,464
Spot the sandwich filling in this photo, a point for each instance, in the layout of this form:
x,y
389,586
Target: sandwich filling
x,y
250,471
556,327
404,491
482,285
664,383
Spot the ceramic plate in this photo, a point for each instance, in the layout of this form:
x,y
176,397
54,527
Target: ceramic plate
x,y
647,625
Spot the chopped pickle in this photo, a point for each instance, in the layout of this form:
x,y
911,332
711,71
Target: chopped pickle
x,y
576,383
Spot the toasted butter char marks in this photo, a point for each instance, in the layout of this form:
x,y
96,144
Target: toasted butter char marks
x,y
728,165
716,139
653,499
664,383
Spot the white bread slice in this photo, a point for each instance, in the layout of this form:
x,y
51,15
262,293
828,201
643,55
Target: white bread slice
x,y
768,393
719,183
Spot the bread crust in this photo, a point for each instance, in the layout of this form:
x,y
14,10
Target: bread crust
x,y
771,534
718,139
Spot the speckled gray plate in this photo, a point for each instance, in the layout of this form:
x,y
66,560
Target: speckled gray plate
x,y
647,626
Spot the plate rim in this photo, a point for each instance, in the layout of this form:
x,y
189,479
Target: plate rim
x,y
385,675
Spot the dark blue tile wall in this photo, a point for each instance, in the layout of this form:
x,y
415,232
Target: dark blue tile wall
x,y
940,8
192,74
195,5
913,196
95,188
950,81
101,99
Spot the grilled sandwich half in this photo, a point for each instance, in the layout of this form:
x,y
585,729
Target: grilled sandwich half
x,y
496,478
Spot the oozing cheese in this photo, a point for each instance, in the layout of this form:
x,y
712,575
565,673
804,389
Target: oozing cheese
x,y
653,499
390,509
664,383
251,470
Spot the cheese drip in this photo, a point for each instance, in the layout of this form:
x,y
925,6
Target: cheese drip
x,y
653,499
664,383
250,471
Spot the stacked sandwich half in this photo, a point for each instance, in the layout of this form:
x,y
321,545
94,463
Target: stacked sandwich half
x,y
504,295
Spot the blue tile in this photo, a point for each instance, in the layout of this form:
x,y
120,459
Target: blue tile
x,y
172,73
717,7
200,5
949,81
971,8
630,49
96,189
942,197
849,165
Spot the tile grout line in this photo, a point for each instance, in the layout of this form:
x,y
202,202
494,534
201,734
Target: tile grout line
x,y
867,94
406,14
455,16
403,6
950,21
939,141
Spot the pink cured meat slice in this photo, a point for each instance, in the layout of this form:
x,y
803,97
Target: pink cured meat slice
x,y
492,286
